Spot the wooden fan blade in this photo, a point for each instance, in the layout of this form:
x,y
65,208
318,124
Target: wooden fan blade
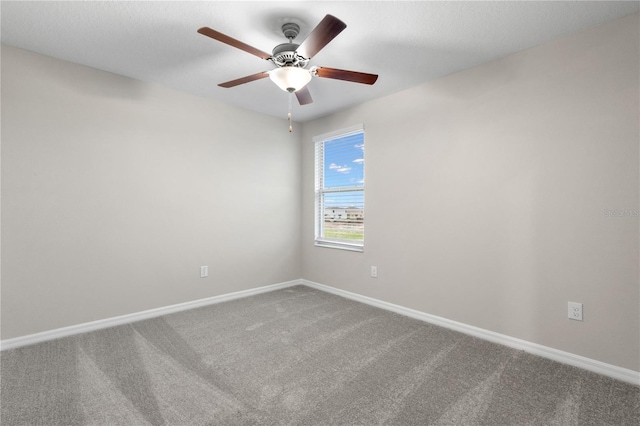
x,y
354,76
233,42
304,96
246,79
322,34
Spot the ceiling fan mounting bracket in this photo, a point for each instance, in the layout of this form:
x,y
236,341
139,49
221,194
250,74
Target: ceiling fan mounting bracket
x,y
290,30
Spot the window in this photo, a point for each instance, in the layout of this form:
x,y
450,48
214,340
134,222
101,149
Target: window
x,y
339,191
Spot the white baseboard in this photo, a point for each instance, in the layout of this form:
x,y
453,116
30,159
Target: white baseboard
x,y
137,316
619,373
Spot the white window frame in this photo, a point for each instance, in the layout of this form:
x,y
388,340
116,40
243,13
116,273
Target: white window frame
x,y
320,240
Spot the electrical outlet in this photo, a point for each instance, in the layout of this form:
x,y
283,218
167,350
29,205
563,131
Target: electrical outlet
x,y
204,271
374,272
575,311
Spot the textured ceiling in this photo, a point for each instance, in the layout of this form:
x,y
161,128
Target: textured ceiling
x,y
406,43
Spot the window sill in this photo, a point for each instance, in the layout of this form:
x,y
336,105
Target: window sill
x,y
340,246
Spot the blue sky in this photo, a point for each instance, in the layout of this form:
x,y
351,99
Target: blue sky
x,y
344,166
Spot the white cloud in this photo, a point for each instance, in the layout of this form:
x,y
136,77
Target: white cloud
x,y
358,160
339,169
360,145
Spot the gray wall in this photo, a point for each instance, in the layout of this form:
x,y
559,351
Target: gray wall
x,y
487,191
114,192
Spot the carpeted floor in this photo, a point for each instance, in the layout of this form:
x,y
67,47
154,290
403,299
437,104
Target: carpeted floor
x,y
298,356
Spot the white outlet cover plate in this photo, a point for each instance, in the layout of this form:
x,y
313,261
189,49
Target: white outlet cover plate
x,y
575,311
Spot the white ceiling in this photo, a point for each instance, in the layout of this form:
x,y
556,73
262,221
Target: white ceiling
x,y
405,43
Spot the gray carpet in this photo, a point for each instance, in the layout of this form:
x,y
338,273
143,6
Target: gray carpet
x,y
298,357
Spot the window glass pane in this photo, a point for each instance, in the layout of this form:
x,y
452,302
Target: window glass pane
x,y
344,200
344,215
344,161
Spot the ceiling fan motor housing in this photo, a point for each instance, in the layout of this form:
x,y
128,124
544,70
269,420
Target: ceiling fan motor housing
x,y
284,55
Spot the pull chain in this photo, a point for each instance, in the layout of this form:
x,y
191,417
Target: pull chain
x,y
289,115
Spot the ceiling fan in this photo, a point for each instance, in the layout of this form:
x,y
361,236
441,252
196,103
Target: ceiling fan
x,y
291,59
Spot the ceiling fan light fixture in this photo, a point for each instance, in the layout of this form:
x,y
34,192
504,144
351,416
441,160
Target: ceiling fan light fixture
x,y
290,79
